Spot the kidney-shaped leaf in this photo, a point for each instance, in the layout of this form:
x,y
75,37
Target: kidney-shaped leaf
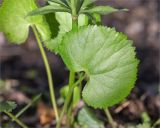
x,y
15,23
107,57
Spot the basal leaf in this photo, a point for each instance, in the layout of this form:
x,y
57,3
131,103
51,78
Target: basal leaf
x,y
87,119
7,106
15,23
103,10
107,57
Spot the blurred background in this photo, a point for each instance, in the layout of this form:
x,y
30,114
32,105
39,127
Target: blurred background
x,y
22,73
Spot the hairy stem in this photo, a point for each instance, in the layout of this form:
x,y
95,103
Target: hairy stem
x,y
48,71
16,120
68,100
110,119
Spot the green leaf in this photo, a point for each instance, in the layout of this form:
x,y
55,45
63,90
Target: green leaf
x,y
76,94
94,18
65,25
7,106
145,125
15,23
60,2
48,9
87,3
145,117
103,10
65,21
87,119
107,57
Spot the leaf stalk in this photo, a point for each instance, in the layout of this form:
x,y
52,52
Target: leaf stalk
x,y
48,71
16,119
68,98
110,119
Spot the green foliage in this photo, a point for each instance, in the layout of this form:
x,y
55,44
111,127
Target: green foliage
x,y
87,119
107,57
15,23
103,10
7,106
64,20
145,117
87,3
76,94
48,9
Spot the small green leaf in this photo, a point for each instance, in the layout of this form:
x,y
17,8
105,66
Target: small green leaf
x,y
48,9
87,3
145,125
107,57
60,2
7,106
145,117
15,23
87,119
94,18
76,94
103,10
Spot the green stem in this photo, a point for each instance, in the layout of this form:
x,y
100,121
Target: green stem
x,y
71,79
74,15
48,71
16,120
73,7
110,119
68,100
27,106
71,82
69,115
72,74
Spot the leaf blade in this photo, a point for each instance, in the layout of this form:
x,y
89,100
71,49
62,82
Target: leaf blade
x,y
101,53
48,9
103,10
7,106
86,118
14,23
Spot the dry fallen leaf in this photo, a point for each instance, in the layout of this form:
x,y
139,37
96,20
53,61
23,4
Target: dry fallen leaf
x,y
45,113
